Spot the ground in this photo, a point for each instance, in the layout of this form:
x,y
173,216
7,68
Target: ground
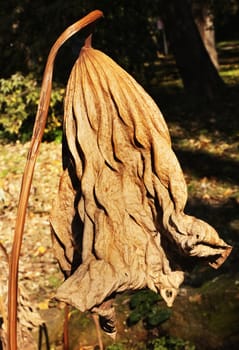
x,y
38,269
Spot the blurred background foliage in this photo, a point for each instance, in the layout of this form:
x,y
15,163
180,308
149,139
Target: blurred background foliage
x,y
19,96
128,33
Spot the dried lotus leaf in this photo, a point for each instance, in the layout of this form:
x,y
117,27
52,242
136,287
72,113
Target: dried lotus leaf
x,y
120,221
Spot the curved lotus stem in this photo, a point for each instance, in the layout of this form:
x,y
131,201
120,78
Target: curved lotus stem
x,y
38,131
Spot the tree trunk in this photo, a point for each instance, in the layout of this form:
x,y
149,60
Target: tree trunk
x,y
199,75
204,19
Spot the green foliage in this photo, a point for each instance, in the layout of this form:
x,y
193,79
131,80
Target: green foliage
x,y
162,343
19,98
115,346
145,305
169,343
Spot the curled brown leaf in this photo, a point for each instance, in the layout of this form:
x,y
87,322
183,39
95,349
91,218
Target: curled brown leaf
x,y
119,222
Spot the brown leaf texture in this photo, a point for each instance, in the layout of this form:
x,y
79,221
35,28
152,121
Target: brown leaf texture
x,y
118,221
